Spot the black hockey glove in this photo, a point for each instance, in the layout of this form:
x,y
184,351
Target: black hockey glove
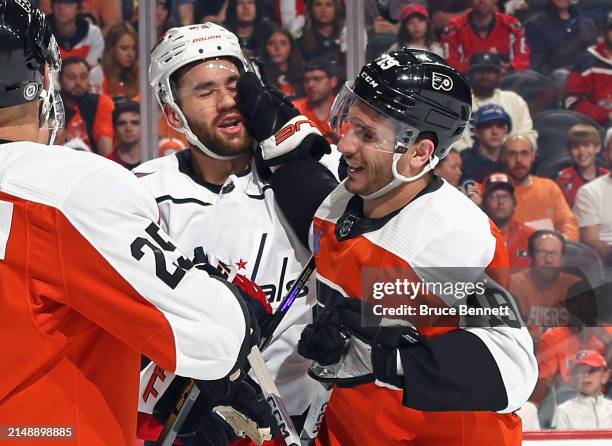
x,y
275,123
324,341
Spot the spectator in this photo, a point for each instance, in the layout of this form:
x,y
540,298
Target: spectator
x,y
117,76
88,115
105,12
589,87
583,143
484,74
126,123
498,203
322,32
492,124
320,83
485,30
163,16
539,201
75,35
291,15
594,210
243,18
590,409
380,20
416,31
210,11
443,10
182,12
449,168
284,64
541,289
558,35
529,417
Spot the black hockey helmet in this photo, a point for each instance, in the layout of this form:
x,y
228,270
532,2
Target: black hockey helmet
x,y
419,89
26,46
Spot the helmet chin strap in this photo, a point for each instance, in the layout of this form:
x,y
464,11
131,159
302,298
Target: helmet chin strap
x,y
193,139
399,179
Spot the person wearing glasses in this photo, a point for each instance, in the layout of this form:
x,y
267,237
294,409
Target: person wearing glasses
x,y
539,201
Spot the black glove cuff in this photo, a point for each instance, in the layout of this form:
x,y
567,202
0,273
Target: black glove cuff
x,y
384,366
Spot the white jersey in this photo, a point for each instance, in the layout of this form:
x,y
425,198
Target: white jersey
x,y
240,224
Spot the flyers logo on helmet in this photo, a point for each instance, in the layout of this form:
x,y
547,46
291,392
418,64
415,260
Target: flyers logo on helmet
x,y
441,82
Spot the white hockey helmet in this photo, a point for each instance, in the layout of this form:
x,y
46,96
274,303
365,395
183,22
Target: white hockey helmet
x,y
181,46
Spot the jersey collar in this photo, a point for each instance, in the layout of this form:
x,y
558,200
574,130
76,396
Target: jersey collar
x,y
185,166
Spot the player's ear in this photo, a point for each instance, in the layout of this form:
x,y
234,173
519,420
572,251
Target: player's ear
x,y
172,117
422,152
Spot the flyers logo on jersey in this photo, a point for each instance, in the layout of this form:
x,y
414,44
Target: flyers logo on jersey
x,y
441,82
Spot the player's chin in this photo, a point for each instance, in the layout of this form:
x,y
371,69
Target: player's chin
x,y
235,144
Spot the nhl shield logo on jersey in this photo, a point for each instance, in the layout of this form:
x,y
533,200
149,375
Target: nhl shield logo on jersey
x,y
441,82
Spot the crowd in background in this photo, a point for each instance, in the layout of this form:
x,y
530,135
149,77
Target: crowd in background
x,y
536,159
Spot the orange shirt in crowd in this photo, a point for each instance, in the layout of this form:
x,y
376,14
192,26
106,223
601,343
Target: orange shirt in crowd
x,y
102,124
304,107
543,206
558,346
107,12
515,237
542,307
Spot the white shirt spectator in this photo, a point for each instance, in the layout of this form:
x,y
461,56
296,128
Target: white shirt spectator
x,y
584,412
529,417
517,109
593,206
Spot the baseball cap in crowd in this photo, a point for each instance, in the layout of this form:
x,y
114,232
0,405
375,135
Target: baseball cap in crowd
x,y
497,181
485,60
411,9
320,64
591,358
492,112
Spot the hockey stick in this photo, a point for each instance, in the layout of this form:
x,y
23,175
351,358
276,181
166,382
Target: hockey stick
x,y
181,410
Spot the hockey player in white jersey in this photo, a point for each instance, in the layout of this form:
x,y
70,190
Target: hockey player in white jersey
x,y
213,201
88,280
407,374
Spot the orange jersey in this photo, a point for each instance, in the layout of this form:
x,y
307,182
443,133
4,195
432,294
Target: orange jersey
x,y
89,283
515,237
440,228
558,347
322,124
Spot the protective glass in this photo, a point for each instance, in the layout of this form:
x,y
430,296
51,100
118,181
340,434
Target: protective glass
x,y
357,122
52,113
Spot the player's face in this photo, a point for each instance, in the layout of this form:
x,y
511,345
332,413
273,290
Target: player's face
x,y
125,51
367,147
547,257
246,11
127,128
590,380
491,134
450,168
74,80
499,205
584,154
416,26
323,11
319,86
278,48
518,156
207,96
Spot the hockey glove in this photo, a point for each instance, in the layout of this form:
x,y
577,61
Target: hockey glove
x,y
384,336
283,134
323,341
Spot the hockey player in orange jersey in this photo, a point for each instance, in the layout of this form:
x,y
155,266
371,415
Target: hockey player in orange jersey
x,y
411,382
88,281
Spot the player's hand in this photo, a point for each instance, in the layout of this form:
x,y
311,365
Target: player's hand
x,y
241,396
324,341
274,122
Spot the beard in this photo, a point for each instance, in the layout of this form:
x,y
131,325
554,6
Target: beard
x,y
220,144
